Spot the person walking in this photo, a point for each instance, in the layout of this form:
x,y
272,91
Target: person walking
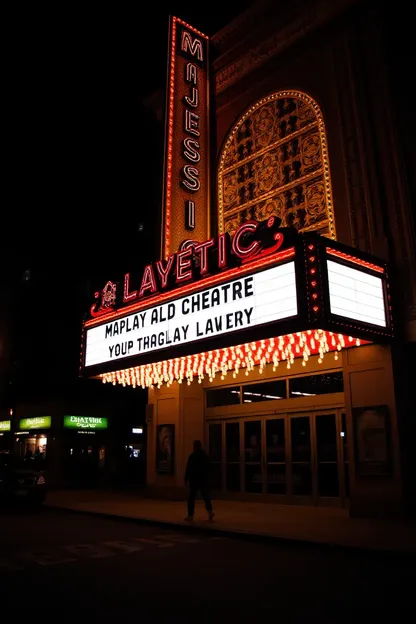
x,y
197,476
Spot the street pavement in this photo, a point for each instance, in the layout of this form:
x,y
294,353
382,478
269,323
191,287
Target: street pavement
x,y
61,566
320,525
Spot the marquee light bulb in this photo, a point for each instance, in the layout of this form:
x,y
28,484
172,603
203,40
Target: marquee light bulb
x,y
248,357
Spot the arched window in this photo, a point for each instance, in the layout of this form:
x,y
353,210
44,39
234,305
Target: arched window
x,y
275,161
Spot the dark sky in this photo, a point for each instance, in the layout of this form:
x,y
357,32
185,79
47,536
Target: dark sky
x,y
84,157
83,165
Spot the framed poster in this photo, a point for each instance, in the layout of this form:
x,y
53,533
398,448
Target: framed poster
x,y
372,440
165,445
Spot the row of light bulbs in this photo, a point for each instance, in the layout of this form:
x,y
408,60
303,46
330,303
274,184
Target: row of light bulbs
x,y
232,359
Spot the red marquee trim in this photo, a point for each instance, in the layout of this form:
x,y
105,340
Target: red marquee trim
x,y
355,260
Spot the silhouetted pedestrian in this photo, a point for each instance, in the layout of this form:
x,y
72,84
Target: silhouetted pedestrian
x,y
197,477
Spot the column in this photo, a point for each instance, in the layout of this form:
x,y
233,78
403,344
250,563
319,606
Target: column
x,y
177,410
376,487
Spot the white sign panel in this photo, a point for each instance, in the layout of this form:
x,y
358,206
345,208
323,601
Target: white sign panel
x,y
356,295
253,300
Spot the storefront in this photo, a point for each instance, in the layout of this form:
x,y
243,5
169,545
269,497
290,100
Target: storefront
x,y
83,448
31,437
5,435
73,449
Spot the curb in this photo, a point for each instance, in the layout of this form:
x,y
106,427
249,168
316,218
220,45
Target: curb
x,y
249,536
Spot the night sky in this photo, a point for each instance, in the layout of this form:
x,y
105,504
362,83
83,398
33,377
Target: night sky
x,y
84,153
84,164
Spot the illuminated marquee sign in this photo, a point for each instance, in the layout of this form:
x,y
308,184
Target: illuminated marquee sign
x,y
85,422
40,422
256,299
186,184
270,299
5,425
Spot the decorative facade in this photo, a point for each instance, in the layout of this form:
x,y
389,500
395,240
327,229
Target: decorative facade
x,y
275,162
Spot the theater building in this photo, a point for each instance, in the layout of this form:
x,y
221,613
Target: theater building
x,y
274,326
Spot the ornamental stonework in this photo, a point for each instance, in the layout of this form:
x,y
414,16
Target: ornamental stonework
x,y
275,161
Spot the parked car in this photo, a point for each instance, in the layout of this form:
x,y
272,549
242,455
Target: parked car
x,y
21,480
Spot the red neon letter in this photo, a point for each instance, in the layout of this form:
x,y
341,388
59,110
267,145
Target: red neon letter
x,y
148,281
245,252
184,265
223,246
164,272
202,249
128,296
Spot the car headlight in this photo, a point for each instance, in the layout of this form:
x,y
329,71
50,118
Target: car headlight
x,y
41,480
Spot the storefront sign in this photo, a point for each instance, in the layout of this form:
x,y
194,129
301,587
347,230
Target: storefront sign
x,y
40,422
85,422
5,425
255,299
186,184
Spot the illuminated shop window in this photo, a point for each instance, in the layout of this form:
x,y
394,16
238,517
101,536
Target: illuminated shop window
x,y
313,385
223,396
275,161
268,391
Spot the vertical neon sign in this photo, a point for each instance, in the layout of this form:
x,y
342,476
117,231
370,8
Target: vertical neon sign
x,y
186,169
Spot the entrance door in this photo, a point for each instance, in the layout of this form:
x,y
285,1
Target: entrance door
x,y
299,457
215,454
317,458
275,456
253,456
265,456
232,457
345,473
327,464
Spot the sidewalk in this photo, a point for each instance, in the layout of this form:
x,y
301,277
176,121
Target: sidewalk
x,y
326,526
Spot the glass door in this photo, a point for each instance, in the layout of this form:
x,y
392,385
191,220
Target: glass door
x,y
232,457
345,463
327,476
301,456
253,468
215,454
276,474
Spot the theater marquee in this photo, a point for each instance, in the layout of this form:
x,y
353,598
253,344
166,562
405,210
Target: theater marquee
x,y
239,304
266,295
